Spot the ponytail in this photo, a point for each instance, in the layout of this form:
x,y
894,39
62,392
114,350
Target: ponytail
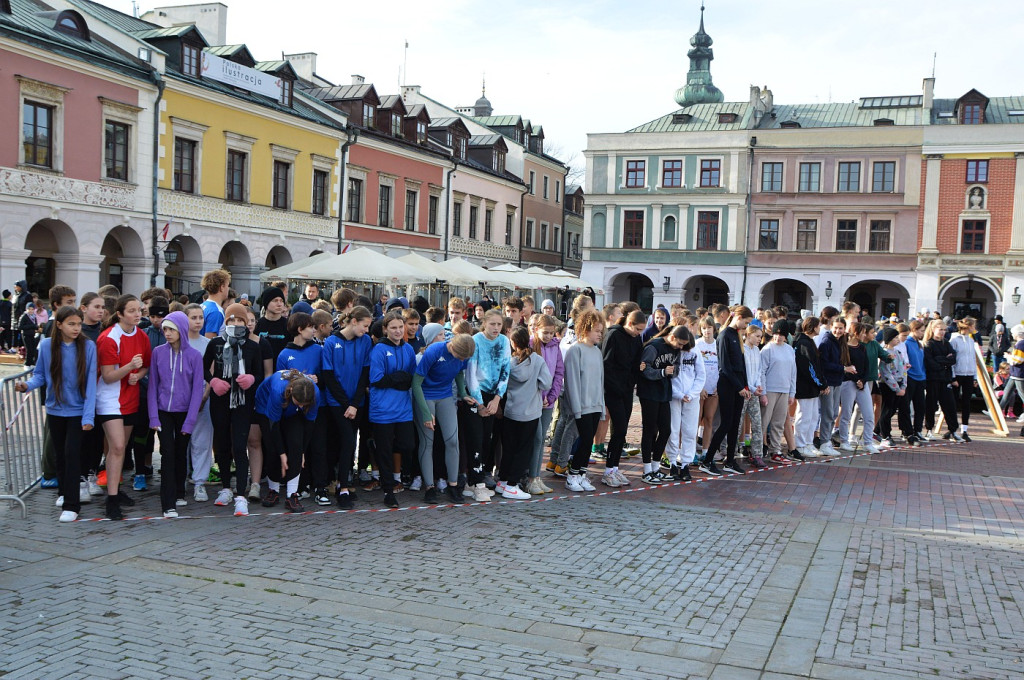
x,y
300,388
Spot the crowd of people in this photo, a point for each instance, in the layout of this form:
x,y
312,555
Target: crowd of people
x,y
325,399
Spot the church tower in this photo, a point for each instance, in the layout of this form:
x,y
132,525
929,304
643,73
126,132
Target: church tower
x,y
699,89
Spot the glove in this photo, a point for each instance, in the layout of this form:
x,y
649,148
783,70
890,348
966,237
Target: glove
x,y
245,381
220,387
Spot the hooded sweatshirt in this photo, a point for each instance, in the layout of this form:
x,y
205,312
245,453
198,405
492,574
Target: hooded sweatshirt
x,y
621,353
176,378
778,368
690,376
966,359
270,400
489,366
552,354
655,384
528,381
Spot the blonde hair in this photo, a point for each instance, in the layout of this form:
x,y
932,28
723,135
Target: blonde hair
x,y
462,345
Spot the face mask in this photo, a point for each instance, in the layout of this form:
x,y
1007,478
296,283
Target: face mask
x,y
236,331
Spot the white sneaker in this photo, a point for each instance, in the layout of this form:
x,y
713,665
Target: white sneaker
x,y
224,497
515,493
479,493
871,448
468,491
442,484
809,452
83,492
1020,418
199,493
572,482
623,479
94,488
417,483
585,483
254,491
180,502
847,447
241,506
500,487
60,502
68,516
170,514
609,478
491,493
828,450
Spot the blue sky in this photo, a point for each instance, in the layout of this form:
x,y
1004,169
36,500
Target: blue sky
x,y
606,66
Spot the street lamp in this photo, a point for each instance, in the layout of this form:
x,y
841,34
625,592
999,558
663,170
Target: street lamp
x,y
668,284
1015,298
170,255
828,289
970,287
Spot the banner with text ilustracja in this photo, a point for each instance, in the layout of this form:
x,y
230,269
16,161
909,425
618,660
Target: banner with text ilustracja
x,y
236,75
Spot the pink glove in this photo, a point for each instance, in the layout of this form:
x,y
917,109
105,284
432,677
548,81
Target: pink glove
x,y
220,387
245,381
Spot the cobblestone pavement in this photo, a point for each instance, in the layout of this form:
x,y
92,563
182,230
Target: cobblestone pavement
x,y
906,564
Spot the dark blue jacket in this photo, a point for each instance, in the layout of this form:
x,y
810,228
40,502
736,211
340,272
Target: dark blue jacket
x,y
831,360
391,369
346,366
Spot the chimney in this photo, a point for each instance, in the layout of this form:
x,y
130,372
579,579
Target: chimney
x,y
304,64
358,80
755,95
929,93
410,91
767,99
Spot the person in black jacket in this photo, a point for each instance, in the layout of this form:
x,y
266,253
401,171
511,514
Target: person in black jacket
x,y
28,328
830,353
732,388
939,357
659,361
621,351
810,384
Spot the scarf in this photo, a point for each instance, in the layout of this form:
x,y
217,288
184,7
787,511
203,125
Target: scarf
x,y
231,356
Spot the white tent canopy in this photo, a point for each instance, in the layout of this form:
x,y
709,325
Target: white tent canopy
x,y
363,264
440,270
284,270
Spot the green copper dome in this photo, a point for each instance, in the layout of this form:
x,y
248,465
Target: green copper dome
x,y
699,89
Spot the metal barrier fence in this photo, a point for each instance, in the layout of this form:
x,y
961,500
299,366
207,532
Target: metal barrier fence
x,y
23,420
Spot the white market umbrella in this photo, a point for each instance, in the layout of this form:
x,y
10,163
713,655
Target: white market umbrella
x,y
440,270
284,270
364,265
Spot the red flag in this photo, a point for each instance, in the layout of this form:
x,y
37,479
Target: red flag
x,y
345,249
167,228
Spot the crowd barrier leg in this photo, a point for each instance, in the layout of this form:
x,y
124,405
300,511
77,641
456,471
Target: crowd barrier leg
x,y
23,420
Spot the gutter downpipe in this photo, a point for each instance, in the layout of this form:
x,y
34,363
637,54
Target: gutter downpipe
x,y
160,84
750,211
352,136
522,224
447,206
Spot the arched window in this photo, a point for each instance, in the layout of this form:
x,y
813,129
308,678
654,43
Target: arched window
x,y
669,232
72,23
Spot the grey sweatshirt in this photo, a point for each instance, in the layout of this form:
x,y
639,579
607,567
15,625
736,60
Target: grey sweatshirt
x,y
584,379
778,368
526,385
966,360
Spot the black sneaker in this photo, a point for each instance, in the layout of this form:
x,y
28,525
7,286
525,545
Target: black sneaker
x,y
454,495
488,481
914,440
710,469
684,475
147,470
947,436
390,500
674,472
320,497
796,455
733,467
293,503
114,508
965,437
344,500
271,499
124,499
651,478
432,496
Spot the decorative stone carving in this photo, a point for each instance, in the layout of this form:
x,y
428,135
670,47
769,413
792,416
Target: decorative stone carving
x,y
57,188
218,212
977,199
475,248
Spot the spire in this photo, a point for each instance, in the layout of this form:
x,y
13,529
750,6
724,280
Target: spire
x,y
699,89
482,107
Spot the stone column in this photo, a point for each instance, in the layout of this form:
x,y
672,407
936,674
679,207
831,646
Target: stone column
x,y
655,226
929,230
80,271
246,280
1017,230
136,273
12,266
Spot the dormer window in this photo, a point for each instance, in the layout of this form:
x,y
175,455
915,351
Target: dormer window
x,y
421,132
726,118
396,125
190,60
286,93
71,23
789,124
498,161
460,148
540,145
972,114
367,114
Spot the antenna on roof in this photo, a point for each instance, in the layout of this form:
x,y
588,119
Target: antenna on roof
x,y
135,9
405,65
935,55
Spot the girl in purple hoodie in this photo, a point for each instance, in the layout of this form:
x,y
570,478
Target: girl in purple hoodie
x,y
545,344
175,393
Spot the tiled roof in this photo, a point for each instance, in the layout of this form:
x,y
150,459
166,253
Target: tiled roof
x,y
32,21
701,117
443,122
850,114
388,101
271,66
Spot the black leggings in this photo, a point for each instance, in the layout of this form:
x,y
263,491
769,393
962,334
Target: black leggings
x,y
173,454
346,445
963,393
230,440
730,408
477,431
619,405
940,394
586,426
66,435
392,438
915,399
656,417
291,438
517,440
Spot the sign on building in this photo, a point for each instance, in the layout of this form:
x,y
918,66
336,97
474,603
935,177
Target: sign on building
x,y
236,75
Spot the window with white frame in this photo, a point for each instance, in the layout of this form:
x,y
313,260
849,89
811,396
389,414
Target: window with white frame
x,y
188,152
42,124
284,176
